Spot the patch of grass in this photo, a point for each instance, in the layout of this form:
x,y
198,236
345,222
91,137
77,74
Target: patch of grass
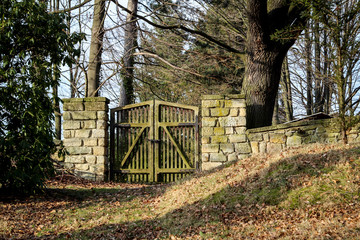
x,y
264,197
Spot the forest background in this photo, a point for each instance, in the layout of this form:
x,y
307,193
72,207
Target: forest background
x,y
179,50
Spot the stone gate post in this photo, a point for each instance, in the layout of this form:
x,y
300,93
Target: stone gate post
x,y
86,136
223,135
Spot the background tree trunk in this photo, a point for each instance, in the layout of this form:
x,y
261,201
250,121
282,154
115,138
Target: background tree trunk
x,y
96,47
309,96
127,86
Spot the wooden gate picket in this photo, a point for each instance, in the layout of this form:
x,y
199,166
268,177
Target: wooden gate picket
x,y
153,141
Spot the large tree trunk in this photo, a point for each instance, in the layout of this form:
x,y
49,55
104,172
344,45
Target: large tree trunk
x,y
260,86
127,88
96,46
265,55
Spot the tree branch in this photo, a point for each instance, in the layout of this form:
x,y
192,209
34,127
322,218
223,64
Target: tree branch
x,y
170,27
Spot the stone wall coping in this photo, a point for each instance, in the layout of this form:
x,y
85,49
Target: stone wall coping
x,y
221,97
88,99
289,125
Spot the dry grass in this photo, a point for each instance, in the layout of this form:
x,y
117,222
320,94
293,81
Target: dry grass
x,y
310,192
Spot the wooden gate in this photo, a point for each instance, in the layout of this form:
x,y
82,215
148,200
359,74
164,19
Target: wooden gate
x,y
153,141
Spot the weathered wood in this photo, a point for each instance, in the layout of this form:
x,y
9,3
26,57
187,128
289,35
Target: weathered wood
x,y
153,141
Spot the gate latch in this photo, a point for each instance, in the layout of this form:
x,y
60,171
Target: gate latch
x,y
154,140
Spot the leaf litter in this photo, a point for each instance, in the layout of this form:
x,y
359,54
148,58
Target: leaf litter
x,y
309,192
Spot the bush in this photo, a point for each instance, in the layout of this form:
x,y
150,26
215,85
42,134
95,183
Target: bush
x,y
33,43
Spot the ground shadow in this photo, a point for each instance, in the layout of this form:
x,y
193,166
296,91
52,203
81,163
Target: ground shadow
x,y
242,200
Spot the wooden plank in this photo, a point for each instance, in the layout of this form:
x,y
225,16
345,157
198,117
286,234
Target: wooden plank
x,y
178,105
133,144
178,149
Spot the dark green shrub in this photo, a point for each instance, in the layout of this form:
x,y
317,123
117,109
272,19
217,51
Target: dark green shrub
x,y
33,44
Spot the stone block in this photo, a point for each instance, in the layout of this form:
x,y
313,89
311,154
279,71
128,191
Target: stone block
x,y
294,141
205,140
67,134
207,131
210,148
210,165
209,122
82,167
232,157
91,159
99,151
242,112
262,147
238,103
98,133
84,115
217,157
211,103
219,139
82,133
68,166
90,124
79,150
274,147
205,157
216,97
277,138
101,124
73,106
234,112
227,147
255,147
71,125
72,142
240,130
229,130
102,142
242,148
90,142
219,131
205,112
67,116
98,169
255,137
101,160
219,112
102,115
95,106
237,138
232,121
75,159
266,137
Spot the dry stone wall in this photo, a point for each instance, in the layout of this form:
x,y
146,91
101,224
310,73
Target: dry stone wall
x,y
223,137
85,136
276,138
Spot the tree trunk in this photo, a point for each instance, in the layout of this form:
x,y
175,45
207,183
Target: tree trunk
x,y
275,118
127,88
318,89
287,97
309,96
96,46
260,86
265,53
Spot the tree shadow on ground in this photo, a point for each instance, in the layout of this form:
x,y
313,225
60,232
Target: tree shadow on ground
x,y
240,202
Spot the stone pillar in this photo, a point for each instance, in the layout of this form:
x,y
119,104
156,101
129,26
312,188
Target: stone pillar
x,y
223,135
86,136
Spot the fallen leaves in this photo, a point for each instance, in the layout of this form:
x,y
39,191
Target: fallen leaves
x,y
247,200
